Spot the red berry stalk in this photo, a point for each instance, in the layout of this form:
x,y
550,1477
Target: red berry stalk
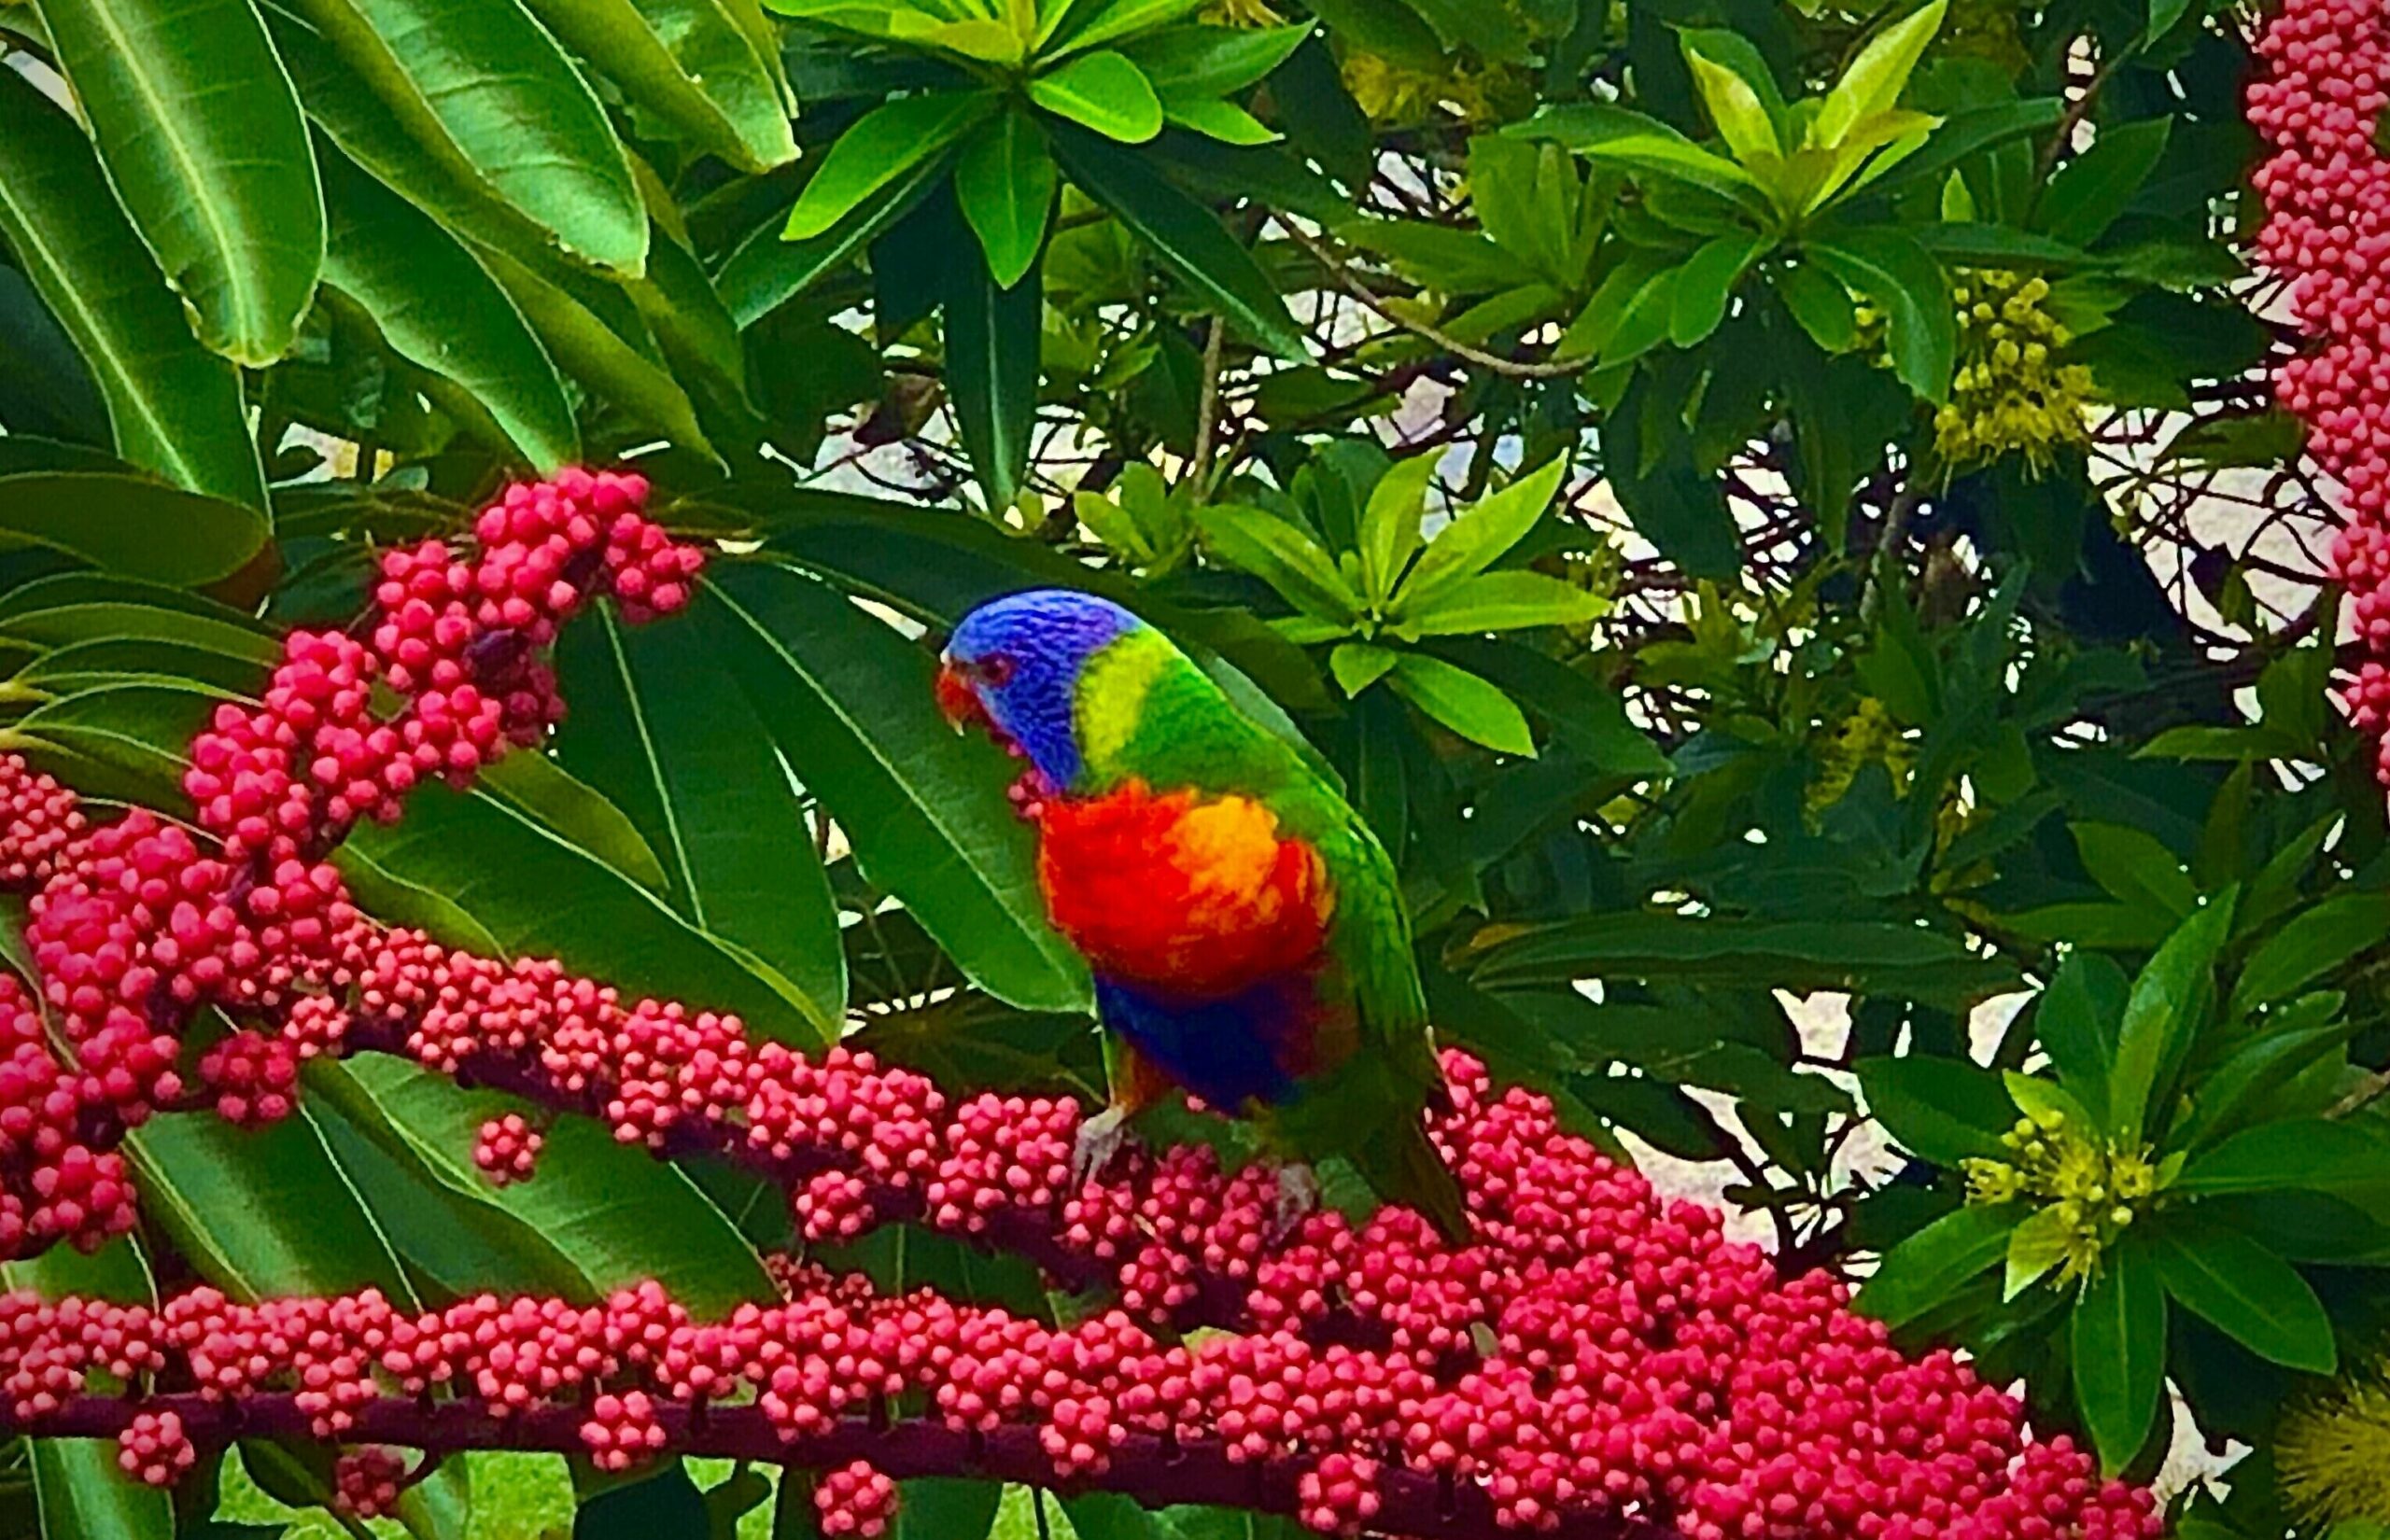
x,y
2326,191
1598,1361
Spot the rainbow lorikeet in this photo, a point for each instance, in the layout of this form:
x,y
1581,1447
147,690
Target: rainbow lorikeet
x,y
1247,938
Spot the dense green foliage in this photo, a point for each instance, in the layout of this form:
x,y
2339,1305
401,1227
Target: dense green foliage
x,y
1820,401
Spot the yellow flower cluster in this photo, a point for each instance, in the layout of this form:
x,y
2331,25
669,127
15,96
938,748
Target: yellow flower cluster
x,y
2095,1185
2332,1456
2011,395
1867,736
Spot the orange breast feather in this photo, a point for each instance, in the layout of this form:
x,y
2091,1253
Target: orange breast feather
x,y
1201,897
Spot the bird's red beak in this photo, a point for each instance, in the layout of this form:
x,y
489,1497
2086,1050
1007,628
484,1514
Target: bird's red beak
x,y
958,699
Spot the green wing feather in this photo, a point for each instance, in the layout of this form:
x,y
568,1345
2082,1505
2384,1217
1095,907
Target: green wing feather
x,y
1144,709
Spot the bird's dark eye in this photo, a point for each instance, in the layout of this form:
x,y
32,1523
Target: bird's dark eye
x,y
996,668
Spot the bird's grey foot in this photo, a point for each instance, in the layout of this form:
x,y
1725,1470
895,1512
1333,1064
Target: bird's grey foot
x,y
1102,1138
1298,1196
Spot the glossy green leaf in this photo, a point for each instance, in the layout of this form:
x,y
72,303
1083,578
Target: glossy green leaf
x,y
766,270
1923,1270
1226,121
2168,1006
2296,1038
438,306
1358,666
1464,702
2077,1019
1282,555
1944,1110
1392,528
539,788
1106,92
1970,131
1005,181
78,1489
1502,601
1820,302
124,739
667,734
130,525
175,408
1091,23
260,1213
1861,957
1189,64
536,893
991,373
1638,142
2038,1243
1706,284
603,351
1184,236
691,63
1875,78
2135,867
196,123
883,144
2243,1290
1481,534
2117,1337
2316,942
1901,279
610,1210
1735,105
2308,1154
2090,192
507,101
849,704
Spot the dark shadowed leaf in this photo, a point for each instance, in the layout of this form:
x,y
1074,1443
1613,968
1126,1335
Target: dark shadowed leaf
x,y
1943,1109
2246,1292
992,372
175,408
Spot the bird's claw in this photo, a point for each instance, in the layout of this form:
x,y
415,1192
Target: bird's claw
x,y
1101,1139
1298,1197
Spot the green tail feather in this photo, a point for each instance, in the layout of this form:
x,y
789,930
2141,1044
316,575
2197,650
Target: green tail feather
x,y
1402,1165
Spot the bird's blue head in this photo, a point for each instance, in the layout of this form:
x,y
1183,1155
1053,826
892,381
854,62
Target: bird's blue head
x,y
1013,666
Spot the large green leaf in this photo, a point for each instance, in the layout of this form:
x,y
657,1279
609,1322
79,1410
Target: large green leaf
x,y
176,407
2246,1292
1471,706
601,350
481,82
883,144
535,892
80,1493
766,270
692,63
992,372
848,703
439,307
1005,182
1482,535
1183,235
130,524
1899,278
2119,1342
2309,1153
2318,940
1106,92
2169,1004
1944,1110
608,1210
1863,957
1281,555
260,1213
666,733
2090,192
201,136
2076,1021
1923,1270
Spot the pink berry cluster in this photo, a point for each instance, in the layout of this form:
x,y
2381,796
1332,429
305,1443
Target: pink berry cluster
x,y
2326,190
1600,1355
140,924
1598,1358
